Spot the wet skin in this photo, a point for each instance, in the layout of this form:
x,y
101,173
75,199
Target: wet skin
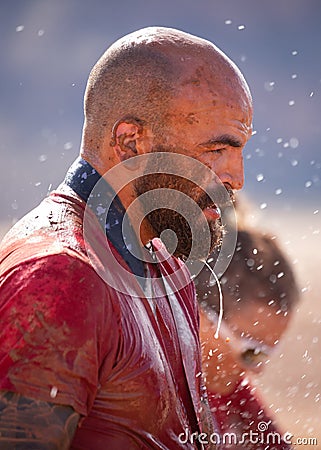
x,y
211,123
28,424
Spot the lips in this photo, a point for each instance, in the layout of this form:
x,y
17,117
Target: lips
x,y
212,213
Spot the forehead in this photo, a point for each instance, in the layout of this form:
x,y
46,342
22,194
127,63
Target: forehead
x,y
199,114
203,95
261,321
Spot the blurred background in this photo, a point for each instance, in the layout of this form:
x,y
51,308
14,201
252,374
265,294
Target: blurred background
x,y
47,50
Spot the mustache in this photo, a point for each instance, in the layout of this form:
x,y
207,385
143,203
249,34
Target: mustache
x,y
220,195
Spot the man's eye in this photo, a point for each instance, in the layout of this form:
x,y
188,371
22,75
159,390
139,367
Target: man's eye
x,y
217,151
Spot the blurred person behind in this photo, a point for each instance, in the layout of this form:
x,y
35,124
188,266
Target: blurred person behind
x,y
259,297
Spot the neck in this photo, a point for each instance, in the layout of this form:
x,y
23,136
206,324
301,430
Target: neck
x,y
142,227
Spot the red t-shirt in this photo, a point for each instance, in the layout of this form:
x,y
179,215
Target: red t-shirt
x,y
241,417
68,337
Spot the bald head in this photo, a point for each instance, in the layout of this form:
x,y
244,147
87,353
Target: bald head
x,y
140,76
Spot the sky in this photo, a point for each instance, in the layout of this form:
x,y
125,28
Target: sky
x,y
49,46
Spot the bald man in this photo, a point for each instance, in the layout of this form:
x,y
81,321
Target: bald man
x,y
98,320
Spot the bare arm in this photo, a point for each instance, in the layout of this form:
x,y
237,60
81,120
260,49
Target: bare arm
x,y
27,424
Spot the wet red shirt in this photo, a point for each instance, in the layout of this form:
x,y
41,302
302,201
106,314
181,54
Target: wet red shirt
x,y
242,412
68,337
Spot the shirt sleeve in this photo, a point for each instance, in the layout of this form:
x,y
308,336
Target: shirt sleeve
x,y
54,313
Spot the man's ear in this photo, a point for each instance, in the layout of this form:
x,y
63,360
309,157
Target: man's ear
x,y
125,134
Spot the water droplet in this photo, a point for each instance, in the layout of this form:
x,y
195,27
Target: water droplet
x,y
273,279
254,251
294,76
38,183
269,86
41,33
263,205
54,392
294,52
100,210
43,158
68,146
294,142
308,184
291,102
316,211
279,140
228,22
260,177
250,262
20,28
295,162
278,191
241,27
259,151
311,94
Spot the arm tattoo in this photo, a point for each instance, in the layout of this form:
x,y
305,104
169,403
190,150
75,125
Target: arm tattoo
x,y
27,424
208,426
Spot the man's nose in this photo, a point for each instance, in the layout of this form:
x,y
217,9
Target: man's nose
x,y
233,172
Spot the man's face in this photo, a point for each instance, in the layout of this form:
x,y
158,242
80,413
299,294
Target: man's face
x,y
212,128
180,216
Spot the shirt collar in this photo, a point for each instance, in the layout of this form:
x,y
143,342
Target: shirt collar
x,y
82,178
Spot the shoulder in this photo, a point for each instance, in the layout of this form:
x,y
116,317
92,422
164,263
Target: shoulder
x,y
52,228
57,289
55,322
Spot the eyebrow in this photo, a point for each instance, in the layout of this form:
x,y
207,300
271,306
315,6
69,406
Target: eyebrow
x,y
224,139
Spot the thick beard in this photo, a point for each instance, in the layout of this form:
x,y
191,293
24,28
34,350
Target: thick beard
x,y
163,219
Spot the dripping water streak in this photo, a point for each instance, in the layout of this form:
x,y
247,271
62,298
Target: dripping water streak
x,y
220,316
